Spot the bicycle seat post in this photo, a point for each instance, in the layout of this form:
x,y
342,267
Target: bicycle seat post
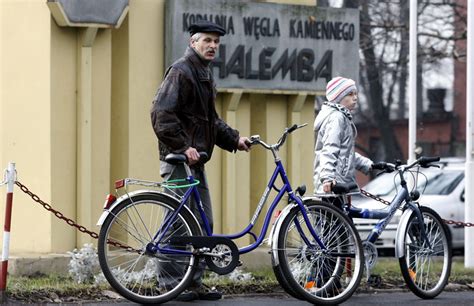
x,y
187,169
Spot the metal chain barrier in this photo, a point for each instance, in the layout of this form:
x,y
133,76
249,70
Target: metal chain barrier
x,y
69,221
459,223
376,198
94,235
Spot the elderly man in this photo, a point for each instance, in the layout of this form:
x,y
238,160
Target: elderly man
x,y
185,121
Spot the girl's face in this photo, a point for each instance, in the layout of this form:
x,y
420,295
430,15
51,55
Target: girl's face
x,y
350,101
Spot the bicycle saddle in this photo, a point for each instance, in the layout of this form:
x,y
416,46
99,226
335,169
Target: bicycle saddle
x,y
180,158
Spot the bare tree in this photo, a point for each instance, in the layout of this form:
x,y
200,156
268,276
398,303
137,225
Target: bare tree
x,y
375,92
384,38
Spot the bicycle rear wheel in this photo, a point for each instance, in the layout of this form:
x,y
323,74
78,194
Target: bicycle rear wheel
x,y
426,267
320,276
146,277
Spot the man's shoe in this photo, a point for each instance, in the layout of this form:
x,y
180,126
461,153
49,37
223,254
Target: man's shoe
x,y
209,294
187,296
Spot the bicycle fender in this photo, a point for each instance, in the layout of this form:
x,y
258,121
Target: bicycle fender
x,y
124,197
401,229
273,241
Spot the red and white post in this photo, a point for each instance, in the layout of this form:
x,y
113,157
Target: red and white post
x,y
10,182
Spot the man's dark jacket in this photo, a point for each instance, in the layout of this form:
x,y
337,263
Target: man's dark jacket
x,y
183,112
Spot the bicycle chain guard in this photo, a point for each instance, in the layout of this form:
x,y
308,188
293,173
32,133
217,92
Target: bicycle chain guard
x,y
223,256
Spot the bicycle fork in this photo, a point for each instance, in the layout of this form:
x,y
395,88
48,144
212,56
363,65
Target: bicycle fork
x,y
310,228
421,224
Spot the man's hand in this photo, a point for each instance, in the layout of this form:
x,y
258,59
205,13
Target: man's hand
x,y
192,155
244,144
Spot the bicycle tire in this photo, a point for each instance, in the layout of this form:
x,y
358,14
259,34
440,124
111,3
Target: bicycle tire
x,y
145,277
426,271
283,282
324,277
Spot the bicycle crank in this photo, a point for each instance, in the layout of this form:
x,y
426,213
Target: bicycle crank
x,y
221,254
370,255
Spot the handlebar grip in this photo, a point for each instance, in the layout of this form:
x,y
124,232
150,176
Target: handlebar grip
x,y
203,157
426,160
343,188
292,128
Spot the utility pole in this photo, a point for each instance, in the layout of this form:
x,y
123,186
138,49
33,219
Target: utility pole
x,y
469,195
412,81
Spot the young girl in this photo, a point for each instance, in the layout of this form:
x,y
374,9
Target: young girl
x,y
335,156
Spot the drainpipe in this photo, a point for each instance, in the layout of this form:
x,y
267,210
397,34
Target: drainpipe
x,y
84,124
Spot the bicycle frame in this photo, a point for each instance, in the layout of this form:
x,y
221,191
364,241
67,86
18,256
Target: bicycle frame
x,y
385,215
279,172
285,189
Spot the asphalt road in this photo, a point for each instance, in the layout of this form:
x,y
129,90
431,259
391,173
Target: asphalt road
x,y
460,298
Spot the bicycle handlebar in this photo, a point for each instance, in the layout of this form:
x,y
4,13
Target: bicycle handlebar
x,y
423,161
255,139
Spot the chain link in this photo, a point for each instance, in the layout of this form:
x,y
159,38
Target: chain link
x,y
376,198
459,223
69,221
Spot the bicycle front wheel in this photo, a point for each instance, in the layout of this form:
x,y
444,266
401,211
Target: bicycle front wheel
x,y
426,265
324,276
139,274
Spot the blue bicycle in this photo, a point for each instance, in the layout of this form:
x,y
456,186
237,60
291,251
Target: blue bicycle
x,y
151,243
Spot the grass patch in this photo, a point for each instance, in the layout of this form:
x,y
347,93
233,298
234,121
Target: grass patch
x,y
53,288
461,274
388,269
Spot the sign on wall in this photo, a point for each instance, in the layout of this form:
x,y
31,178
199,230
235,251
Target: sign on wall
x,y
270,46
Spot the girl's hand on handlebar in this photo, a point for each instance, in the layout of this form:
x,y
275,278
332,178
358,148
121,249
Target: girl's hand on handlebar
x,y
327,186
379,166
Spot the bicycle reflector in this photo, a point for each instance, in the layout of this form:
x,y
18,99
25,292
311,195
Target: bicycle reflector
x,y
119,184
109,200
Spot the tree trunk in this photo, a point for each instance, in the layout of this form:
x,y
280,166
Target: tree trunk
x,y
375,94
419,89
403,59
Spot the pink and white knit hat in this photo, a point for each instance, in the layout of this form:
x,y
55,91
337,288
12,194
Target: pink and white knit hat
x,y
338,88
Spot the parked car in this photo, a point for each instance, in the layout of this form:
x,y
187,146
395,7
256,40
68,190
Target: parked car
x,y
442,189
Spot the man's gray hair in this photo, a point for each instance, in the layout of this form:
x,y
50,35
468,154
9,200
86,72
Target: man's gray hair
x,y
196,37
